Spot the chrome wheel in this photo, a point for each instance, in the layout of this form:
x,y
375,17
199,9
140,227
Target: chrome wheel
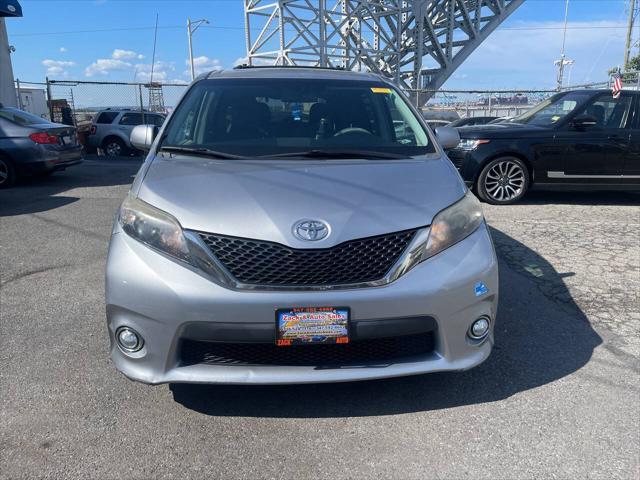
x,y
505,181
113,149
4,172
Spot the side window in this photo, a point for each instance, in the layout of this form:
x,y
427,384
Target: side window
x,y
131,119
156,120
106,117
610,112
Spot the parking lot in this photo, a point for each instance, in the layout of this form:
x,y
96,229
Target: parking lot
x,y
559,397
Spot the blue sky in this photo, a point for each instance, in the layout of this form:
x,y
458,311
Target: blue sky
x,y
518,55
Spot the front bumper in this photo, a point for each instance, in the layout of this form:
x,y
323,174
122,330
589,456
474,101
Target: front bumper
x,y
168,303
467,163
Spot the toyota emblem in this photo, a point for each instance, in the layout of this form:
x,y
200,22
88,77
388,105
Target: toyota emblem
x,y
310,230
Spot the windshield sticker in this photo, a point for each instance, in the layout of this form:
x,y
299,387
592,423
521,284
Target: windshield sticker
x,y
380,90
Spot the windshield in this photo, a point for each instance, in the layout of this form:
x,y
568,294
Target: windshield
x,y
251,117
553,110
20,117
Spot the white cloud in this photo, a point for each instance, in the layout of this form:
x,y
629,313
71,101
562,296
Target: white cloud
x,y
256,61
103,66
161,71
119,54
63,50
120,61
202,64
241,61
57,67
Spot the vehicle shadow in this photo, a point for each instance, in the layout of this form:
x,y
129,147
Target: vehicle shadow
x,y
541,336
567,197
39,194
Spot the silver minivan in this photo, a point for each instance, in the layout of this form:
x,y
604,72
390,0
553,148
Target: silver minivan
x,y
295,225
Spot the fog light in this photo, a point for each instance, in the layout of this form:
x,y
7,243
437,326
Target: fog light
x,y
128,339
479,329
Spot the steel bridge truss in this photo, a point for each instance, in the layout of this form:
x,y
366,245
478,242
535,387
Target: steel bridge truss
x,y
418,43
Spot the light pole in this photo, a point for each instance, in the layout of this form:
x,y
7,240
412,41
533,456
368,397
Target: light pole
x,y
562,64
563,61
191,29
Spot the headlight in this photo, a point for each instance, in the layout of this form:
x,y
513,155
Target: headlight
x,y
450,226
154,228
471,143
453,224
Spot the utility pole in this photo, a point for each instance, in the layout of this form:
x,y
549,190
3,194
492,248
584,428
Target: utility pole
x,y
632,18
191,29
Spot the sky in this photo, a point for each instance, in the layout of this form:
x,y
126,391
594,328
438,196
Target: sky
x,y
113,40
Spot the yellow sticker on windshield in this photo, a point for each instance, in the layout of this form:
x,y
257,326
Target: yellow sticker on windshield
x,y
380,90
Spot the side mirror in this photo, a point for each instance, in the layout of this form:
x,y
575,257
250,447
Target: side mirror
x,y
142,136
448,137
581,122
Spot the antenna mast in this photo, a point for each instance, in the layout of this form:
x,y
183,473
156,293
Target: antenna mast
x,y
155,41
156,96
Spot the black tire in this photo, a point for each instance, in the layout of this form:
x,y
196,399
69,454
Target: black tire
x,y
7,173
503,181
114,147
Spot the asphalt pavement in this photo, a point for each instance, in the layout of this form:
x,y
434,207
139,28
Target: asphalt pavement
x,y
558,398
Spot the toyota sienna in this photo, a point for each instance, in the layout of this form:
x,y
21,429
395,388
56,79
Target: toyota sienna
x,y
295,225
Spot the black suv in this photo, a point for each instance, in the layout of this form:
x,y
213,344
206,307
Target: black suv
x,y
576,139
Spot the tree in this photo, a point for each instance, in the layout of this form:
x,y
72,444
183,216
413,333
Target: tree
x,y
630,72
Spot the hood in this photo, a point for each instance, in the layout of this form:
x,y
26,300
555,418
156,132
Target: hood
x,y
262,199
499,130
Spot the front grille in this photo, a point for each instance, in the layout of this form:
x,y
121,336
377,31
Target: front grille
x,y
256,262
358,352
456,158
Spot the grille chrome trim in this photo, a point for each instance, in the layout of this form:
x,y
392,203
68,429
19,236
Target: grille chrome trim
x,y
215,270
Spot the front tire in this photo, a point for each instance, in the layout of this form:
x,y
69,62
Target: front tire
x,y
503,181
114,147
7,173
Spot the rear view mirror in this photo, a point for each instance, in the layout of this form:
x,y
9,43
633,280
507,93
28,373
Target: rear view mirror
x,y
584,121
142,136
448,137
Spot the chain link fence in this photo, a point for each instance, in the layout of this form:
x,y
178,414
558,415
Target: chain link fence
x,y
630,79
76,102
454,104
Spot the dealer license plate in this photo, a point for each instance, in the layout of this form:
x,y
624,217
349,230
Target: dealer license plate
x,y
304,326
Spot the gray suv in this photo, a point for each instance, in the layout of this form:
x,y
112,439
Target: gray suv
x,y
295,225
111,130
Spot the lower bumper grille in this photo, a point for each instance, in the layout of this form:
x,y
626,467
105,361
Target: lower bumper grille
x,y
358,352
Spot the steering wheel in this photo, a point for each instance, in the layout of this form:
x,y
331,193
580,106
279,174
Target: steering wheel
x,y
352,130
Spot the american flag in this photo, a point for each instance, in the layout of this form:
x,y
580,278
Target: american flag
x,y
616,88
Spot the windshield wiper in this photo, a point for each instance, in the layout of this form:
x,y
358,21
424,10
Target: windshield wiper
x,y
355,154
200,151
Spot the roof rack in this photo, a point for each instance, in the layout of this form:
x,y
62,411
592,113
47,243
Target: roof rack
x,y
246,66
